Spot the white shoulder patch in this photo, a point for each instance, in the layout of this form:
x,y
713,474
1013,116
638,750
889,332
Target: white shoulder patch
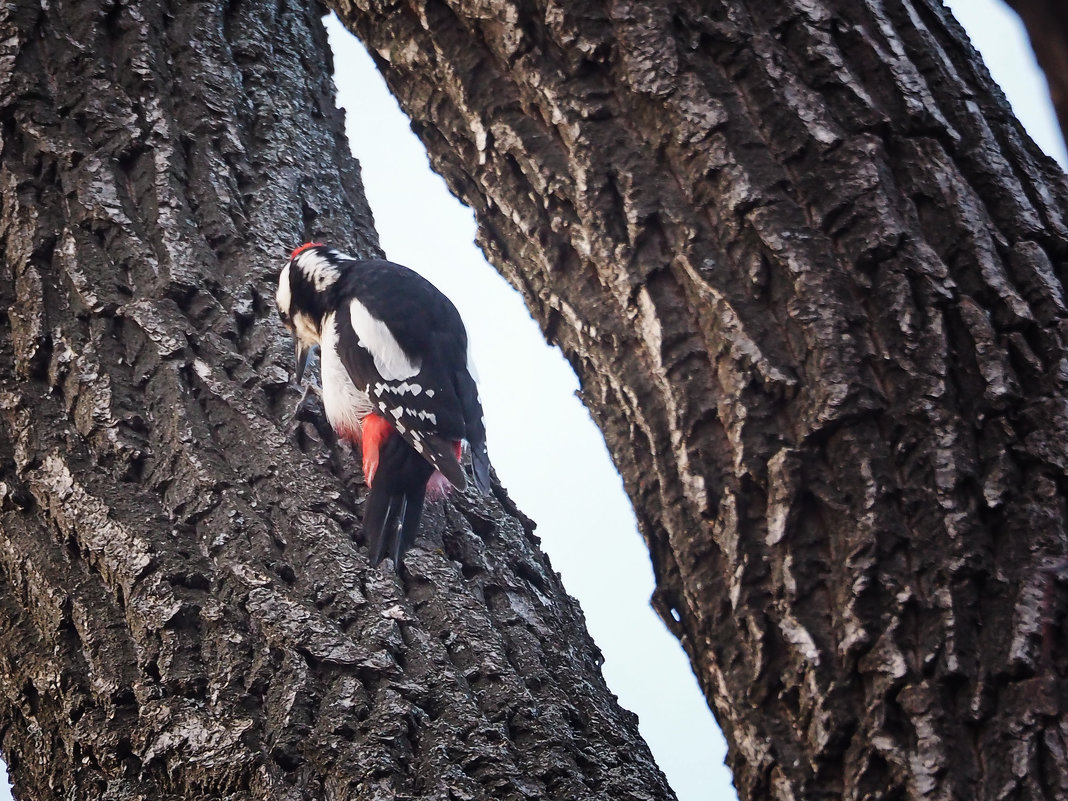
x,y
320,272
374,335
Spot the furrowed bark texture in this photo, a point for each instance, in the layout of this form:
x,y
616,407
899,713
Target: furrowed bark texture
x,y
185,609
1047,27
809,271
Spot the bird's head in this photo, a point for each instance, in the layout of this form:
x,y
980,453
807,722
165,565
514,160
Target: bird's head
x,y
303,296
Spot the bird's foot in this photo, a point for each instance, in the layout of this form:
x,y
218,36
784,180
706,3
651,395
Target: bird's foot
x,y
310,388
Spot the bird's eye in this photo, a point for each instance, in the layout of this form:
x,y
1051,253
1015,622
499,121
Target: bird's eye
x,y
286,320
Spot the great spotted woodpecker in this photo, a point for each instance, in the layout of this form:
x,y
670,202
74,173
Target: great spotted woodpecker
x,y
396,379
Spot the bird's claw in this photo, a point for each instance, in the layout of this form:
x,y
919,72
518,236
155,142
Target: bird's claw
x,y
310,387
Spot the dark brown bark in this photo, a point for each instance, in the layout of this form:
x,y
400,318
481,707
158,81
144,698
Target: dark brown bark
x,y
809,271
1047,27
185,611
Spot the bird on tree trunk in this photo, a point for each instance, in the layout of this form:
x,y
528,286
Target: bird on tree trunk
x,y
396,379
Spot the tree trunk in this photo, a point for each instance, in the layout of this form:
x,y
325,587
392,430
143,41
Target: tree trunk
x,y
809,271
185,611
1047,27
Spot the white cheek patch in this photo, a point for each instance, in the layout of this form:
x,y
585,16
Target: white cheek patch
x,y
320,273
375,337
284,296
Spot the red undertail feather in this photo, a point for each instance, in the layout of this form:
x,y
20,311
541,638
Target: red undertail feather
x,y
376,430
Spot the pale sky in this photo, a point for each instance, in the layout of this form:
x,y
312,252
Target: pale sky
x,y
543,445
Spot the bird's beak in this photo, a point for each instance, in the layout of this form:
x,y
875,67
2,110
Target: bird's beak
x,y
302,359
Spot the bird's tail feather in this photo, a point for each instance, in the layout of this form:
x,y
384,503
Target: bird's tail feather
x,y
380,524
411,512
395,504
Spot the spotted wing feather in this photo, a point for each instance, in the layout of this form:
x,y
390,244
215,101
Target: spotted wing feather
x,y
423,407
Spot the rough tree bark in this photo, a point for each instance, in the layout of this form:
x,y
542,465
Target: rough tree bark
x,y
185,612
1047,27
809,271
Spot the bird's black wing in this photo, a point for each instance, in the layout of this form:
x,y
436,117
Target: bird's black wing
x,y
474,425
411,389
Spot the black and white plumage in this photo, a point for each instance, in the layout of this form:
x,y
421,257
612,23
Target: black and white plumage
x,y
396,377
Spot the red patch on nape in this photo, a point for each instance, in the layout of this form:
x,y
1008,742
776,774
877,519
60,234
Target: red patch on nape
x,y
304,247
376,430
